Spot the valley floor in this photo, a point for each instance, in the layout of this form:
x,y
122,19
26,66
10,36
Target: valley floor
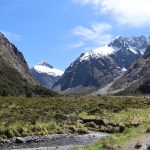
x,y
126,118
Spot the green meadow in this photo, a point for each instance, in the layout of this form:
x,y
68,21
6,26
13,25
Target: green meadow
x,y
123,117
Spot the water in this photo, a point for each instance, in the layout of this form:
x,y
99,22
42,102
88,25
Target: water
x,y
62,143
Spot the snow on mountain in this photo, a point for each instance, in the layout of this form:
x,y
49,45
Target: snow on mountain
x,y
136,80
140,42
43,67
132,49
118,43
99,52
122,43
46,74
99,67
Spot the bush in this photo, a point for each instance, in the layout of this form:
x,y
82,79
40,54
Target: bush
x,y
148,130
91,125
4,93
29,94
82,130
72,129
60,116
9,133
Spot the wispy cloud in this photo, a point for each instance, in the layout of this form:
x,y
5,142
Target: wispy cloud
x,y
96,33
77,45
83,2
126,12
11,36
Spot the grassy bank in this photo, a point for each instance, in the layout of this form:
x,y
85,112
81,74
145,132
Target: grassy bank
x,y
114,140
21,116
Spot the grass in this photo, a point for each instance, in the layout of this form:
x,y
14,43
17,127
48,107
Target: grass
x,y
117,139
125,117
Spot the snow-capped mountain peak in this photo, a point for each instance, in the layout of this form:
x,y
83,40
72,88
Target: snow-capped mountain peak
x,y
140,42
44,67
99,67
98,52
122,43
118,43
43,63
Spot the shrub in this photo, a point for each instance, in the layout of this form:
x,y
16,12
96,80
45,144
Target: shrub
x,y
148,130
60,116
82,130
9,133
91,124
72,129
4,93
29,94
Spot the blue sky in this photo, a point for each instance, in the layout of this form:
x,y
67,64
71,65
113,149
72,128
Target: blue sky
x,y
58,31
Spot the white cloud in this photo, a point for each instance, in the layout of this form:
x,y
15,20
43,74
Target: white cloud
x,y
129,12
76,45
11,36
96,33
83,2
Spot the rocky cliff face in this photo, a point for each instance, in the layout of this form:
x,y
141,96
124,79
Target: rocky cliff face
x,y
137,78
13,57
99,67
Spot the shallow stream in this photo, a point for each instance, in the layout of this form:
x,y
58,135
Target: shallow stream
x,y
57,142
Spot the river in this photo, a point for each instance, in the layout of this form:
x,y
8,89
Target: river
x,y
56,142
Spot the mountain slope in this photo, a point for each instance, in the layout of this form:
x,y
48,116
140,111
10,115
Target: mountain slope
x,y
99,67
45,74
137,78
11,82
91,72
15,59
15,77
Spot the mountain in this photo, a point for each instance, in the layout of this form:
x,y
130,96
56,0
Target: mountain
x,y
140,43
136,80
13,57
15,76
99,67
46,74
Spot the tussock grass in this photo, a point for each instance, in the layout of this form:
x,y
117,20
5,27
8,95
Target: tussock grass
x,y
20,116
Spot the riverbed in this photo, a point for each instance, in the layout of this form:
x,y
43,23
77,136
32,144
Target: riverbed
x,y
54,142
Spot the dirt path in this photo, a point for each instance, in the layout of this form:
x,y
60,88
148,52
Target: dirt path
x,y
140,143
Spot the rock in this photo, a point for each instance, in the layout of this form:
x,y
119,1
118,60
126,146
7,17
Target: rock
x,y
148,130
144,147
148,148
118,147
1,144
138,145
116,129
20,140
4,141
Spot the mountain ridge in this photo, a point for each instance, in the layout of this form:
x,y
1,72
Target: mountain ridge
x,y
98,67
